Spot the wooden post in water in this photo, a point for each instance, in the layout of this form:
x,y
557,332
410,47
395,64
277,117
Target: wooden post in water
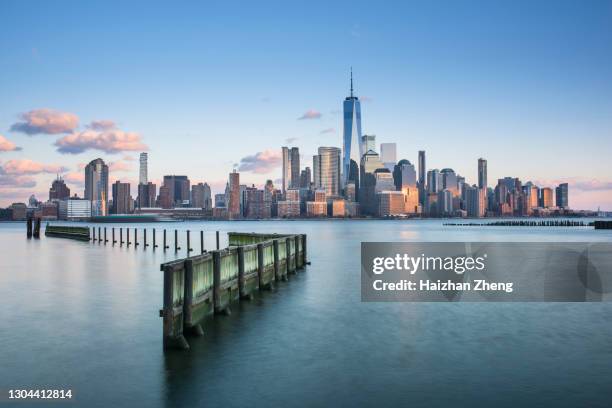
x,y
120,236
217,240
165,246
105,240
304,250
99,234
189,249
29,227
127,232
135,237
201,242
37,228
176,247
144,231
113,233
154,243
93,230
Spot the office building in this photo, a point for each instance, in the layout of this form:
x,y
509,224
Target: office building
x,y
59,190
328,168
546,197
146,195
390,203
96,186
562,195
75,209
388,155
370,164
434,181
445,203
422,175
352,148
122,201
482,173
290,167
305,178
368,142
179,190
201,196
475,201
449,181
233,207
404,175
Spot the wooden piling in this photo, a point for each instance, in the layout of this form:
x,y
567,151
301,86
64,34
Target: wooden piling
x,y
217,240
93,231
165,246
113,234
120,236
144,231
127,233
154,243
201,242
99,234
176,247
189,248
135,237
105,240
36,233
29,227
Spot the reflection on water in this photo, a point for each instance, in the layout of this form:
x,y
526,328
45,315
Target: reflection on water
x,y
85,316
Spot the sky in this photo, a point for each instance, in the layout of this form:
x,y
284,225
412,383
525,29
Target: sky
x,y
206,87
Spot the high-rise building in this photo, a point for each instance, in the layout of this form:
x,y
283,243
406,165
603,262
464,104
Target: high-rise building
x,y
390,203
122,201
146,195
96,186
370,163
351,147
143,171
233,207
368,142
404,175
329,170
316,172
178,189
201,196
476,201
434,181
422,174
388,155
165,198
562,195
59,190
286,168
449,181
546,197
295,167
445,202
305,178
482,173
290,167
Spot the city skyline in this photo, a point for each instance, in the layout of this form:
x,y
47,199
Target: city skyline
x,y
525,114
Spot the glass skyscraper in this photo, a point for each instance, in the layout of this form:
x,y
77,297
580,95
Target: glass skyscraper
x,y
352,148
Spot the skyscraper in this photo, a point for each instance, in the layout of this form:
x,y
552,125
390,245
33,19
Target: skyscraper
x,y
200,196
388,155
368,142
59,190
121,198
351,148
295,167
329,170
143,173
146,195
234,195
178,189
286,177
482,173
96,186
562,195
422,173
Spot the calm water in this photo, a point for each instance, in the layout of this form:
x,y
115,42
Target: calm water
x,y
84,316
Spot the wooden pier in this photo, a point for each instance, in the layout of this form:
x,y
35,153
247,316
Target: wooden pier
x,y
200,286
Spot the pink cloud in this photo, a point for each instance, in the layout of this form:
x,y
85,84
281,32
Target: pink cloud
x,y
119,165
103,124
10,180
46,121
28,167
261,162
77,178
109,141
310,114
7,146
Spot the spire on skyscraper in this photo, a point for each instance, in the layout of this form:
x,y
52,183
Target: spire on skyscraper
x,y
351,82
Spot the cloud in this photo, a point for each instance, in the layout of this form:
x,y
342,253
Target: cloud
x,y
10,180
290,140
328,130
128,158
310,114
261,162
108,141
119,165
77,178
46,121
7,146
103,124
28,167
577,183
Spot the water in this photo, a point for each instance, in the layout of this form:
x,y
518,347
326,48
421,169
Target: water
x,y
84,316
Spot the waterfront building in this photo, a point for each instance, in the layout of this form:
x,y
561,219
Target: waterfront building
x,y
546,197
49,211
350,191
482,173
19,211
390,203
339,208
233,207
59,190
96,186
75,209
305,178
201,196
404,175
220,201
288,209
122,200
143,177
146,195
290,167
164,199
562,195
316,208
411,199
328,176
384,180
476,201
316,172
388,155
449,181
352,148
370,163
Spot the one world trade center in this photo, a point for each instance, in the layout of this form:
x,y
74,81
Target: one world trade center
x,y
352,149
